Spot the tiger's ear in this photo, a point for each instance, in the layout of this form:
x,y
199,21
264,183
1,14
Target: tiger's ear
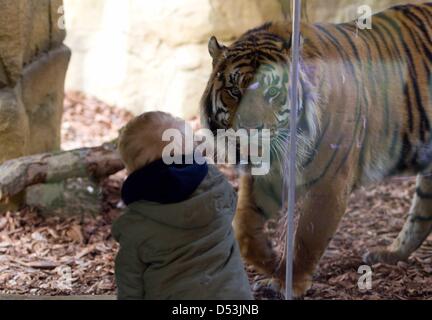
x,y
215,49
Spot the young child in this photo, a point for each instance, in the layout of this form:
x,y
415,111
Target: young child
x,y
176,239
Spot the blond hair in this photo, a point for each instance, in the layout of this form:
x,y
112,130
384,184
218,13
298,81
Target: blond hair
x,y
140,142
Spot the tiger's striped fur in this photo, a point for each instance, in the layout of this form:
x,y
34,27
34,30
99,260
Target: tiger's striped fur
x,y
366,115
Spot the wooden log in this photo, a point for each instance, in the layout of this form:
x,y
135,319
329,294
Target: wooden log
x,y
18,174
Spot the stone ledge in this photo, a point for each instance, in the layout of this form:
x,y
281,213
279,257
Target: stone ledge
x,y
3,76
42,94
27,29
14,126
30,113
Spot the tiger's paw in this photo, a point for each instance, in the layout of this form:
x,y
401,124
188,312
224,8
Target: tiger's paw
x,y
273,287
301,287
269,289
382,256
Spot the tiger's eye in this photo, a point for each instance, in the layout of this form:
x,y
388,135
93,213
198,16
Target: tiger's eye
x,y
273,92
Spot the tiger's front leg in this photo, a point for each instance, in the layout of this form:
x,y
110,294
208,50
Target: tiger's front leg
x,y
248,224
323,207
416,229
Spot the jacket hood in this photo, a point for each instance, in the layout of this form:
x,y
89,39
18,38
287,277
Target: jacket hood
x,y
213,194
162,183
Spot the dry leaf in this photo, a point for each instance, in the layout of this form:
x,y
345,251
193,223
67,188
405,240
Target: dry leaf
x,y
3,223
75,234
85,251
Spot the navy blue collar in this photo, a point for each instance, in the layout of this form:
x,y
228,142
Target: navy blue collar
x,y
162,183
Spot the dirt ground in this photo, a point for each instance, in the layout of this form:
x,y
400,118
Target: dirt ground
x,y
75,256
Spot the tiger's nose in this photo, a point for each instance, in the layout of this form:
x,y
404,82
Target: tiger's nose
x,y
213,127
248,121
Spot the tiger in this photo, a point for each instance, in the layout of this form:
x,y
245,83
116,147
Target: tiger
x,y
364,114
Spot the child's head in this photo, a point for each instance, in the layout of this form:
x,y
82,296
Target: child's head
x,y
140,142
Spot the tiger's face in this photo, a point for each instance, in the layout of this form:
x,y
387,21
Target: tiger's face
x,y
248,89
243,86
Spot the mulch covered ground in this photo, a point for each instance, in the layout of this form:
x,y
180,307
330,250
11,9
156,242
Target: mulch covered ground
x,y
75,256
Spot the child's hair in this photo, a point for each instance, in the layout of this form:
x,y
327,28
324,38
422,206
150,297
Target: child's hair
x,y
140,142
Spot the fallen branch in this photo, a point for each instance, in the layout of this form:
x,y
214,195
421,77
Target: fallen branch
x,y
18,174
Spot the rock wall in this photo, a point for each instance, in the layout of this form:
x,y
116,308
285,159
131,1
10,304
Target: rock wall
x,y
145,55
33,64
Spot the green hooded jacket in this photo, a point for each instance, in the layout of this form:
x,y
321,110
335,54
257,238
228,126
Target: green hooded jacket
x,y
182,251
